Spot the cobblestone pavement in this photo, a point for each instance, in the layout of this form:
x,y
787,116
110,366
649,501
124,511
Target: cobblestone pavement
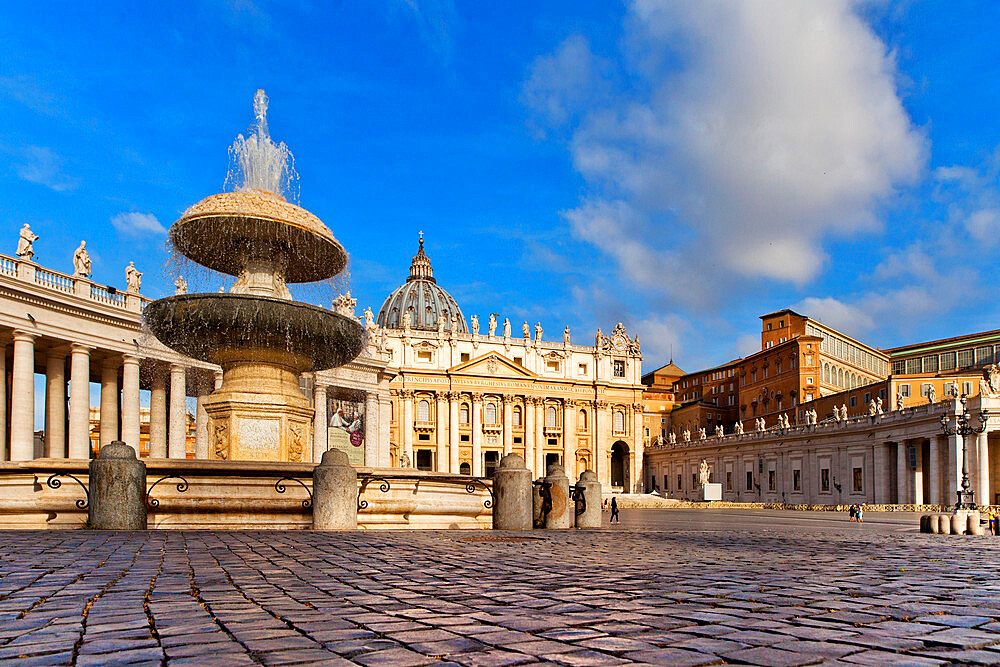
x,y
768,592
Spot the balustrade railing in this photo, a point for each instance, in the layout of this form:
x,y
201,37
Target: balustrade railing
x,y
53,280
8,266
61,282
105,295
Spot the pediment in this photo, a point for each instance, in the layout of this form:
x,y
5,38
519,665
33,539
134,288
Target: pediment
x,y
491,364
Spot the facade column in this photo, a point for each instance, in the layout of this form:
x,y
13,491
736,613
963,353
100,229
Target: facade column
x,y
130,402
638,455
454,459
529,435
569,438
477,435
539,436
953,473
3,402
55,404
22,398
916,477
983,487
602,427
177,427
372,441
79,402
321,425
201,424
407,428
158,414
934,465
109,401
443,450
508,417
902,474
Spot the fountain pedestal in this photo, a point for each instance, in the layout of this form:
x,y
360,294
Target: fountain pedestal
x,y
259,413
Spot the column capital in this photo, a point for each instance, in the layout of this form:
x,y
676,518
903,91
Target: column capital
x,y
23,335
601,405
319,388
57,352
454,396
477,397
406,394
131,359
80,348
177,367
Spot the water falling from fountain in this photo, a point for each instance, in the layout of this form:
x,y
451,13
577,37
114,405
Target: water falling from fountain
x,y
257,163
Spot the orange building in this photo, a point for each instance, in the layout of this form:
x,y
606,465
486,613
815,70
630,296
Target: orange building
x,y
707,398
659,401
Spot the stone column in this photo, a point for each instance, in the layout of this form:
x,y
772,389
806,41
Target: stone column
x,y
477,435
177,428
983,487
372,440
638,455
201,425
158,414
529,435
588,510
569,438
560,514
109,401
55,404
903,474
407,426
508,416
934,463
3,402
79,402
602,427
454,460
539,437
512,495
441,433
321,440
117,489
130,402
916,477
22,398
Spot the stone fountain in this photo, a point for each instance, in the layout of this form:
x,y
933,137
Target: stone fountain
x,y
261,337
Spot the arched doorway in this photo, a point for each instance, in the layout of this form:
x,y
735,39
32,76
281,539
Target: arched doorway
x,y
619,466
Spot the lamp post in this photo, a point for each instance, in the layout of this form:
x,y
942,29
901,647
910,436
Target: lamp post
x,y
963,428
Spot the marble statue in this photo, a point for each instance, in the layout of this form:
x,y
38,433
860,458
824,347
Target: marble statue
x,y
738,429
493,324
538,332
506,327
686,435
843,411
719,432
599,338
404,461
369,318
475,325
701,434
441,324
989,386
704,472
454,324
931,395
899,401
26,243
566,335
672,438
180,285
815,416
878,405
81,261
759,424
344,304
407,320
526,330
836,413
133,278
871,408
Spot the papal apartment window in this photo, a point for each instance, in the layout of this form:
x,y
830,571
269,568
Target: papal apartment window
x,y
582,369
552,366
619,368
904,389
424,355
925,389
967,388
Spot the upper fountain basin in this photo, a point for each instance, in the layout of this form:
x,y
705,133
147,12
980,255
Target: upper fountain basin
x,y
222,327
223,230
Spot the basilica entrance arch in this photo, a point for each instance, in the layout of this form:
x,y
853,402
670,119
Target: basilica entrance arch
x,y
620,466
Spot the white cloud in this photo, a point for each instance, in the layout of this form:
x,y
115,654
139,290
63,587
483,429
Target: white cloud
x,y
137,224
849,319
436,21
748,134
558,83
43,166
660,338
972,197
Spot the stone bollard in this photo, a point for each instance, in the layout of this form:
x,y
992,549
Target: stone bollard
x,y
588,511
958,524
537,504
560,510
335,493
925,523
975,527
933,524
512,502
117,489
944,524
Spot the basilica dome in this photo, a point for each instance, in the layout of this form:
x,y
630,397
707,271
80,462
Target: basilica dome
x,y
423,299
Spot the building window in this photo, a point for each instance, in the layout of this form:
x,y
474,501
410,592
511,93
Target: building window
x,y
490,461
619,421
749,480
781,324
770,480
809,380
904,390
423,411
582,369
796,480
519,361
491,414
930,363
619,368
853,401
465,469
729,480
964,359
463,413
581,421
550,417
925,389
859,482
464,437
424,355
552,366
425,459
694,480
517,416
967,388
868,398
824,480
464,356
678,481
947,362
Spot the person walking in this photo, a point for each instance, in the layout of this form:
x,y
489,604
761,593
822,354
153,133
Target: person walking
x,y
861,513
614,511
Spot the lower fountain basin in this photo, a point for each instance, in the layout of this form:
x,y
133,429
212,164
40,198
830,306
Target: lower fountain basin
x,y
215,327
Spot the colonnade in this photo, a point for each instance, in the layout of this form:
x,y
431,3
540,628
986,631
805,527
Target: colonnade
x,y
921,479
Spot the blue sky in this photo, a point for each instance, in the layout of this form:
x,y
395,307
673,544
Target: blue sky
x,y
682,167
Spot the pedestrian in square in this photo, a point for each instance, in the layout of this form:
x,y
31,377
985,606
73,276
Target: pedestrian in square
x,y
861,512
851,512
614,511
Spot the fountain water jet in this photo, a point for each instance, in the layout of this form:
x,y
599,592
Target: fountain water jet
x,y
262,339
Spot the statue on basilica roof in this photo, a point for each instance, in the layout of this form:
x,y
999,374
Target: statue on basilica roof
x,y
25,243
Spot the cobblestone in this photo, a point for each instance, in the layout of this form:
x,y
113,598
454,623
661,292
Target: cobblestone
x,y
713,589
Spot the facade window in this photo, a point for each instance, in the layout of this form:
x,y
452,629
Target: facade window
x,y
930,363
948,361
777,366
868,398
550,417
619,368
904,390
491,414
899,366
967,388
796,480
679,482
424,356
809,397
781,324
581,421
694,480
516,416
925,389
423,411
824,480
464,356
619,421
913,366
964,359
984,355
552,366
767,346
463,413
519,361
582,369
809,380
853,401
729,480
859,481
749,480
770,480
425,459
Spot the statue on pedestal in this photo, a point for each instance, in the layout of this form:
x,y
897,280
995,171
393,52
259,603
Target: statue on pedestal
x,y
566,335
899,401
180,285
738,429
538,332
672,438
704,472
506,327
133,278
931,394
493,324
701,434
475,325
81,261
25,243
526,330
369,318
719,432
